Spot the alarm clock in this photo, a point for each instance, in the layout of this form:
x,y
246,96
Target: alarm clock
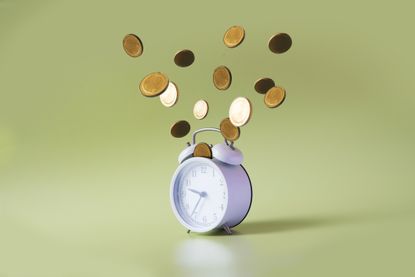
x,y
211,193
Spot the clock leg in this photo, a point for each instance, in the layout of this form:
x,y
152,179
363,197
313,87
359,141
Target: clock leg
x,y
227,229
188,231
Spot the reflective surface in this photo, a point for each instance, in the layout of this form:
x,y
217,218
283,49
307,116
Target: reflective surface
x,y
169,97
200,109
86,161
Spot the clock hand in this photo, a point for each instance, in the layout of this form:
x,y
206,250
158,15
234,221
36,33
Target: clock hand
x,y
197,204
195,191
201,194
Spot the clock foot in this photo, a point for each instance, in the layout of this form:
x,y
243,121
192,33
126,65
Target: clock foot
x,y
227,229
188,231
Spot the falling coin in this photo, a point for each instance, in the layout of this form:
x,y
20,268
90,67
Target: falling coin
x,y
200,109
280,43
132,45
234,36
228,130
263,85
169,97
180,129
154,84
222,78
202,150
240,111
274,97
184,58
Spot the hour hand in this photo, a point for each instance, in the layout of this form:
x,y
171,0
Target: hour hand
x,y
195,191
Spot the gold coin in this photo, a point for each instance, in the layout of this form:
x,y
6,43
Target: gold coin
x,y
200,109
240,111
184,58
234,36
222,78
169,97
228,130
263,85
274,97
132,45
180,129
202,150
280,43
154,84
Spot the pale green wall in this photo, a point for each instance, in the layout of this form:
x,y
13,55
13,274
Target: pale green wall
x,y
86,161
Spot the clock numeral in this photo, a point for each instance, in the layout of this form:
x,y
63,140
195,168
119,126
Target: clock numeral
x,y
215,216
221,207
203,169
187,182
213,172
193,173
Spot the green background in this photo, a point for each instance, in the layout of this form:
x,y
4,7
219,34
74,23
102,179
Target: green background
x,y
86,161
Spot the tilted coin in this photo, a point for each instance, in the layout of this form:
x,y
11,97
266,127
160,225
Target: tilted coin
x,y
180,129
263,85
154,84
202,150
280,43
274,97
200,109
169,97
228,130
240,111
184,58
132,45
222,78
234,36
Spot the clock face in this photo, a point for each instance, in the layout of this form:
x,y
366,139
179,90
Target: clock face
x,y
200,194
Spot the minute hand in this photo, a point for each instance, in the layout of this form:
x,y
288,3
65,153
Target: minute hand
x,y
197,204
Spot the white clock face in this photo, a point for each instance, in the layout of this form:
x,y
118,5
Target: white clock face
x,y
200,195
